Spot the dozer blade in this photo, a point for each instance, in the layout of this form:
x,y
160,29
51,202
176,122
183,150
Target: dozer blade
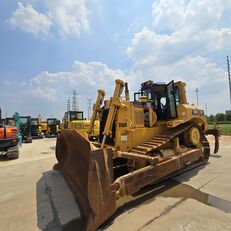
x,y
89,174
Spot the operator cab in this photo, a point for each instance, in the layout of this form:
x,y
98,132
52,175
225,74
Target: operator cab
x,y
25,128
51,121
34,122
70,116
164,98
34,127
10,121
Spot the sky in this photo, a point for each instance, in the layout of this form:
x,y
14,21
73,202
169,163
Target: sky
x,y
51,47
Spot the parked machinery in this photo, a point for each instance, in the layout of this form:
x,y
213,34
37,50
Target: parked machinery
x,y
35,130
9,140
25,128
53,127
10,121
70,116
141,142
75,120
43,127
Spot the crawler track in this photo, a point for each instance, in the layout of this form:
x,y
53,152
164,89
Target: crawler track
x,y
162,139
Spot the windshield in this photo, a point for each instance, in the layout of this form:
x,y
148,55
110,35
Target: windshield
x,y
10,122
148,94
51,121
23,120
34,122
76,115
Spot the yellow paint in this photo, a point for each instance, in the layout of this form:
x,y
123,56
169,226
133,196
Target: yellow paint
x,y
43,127
82,126
131,127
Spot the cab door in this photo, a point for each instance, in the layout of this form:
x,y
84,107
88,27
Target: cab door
x,y
172,109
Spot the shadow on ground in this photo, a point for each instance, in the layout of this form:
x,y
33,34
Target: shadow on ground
x,y
150,192
4,158
55,201
45,214
56,206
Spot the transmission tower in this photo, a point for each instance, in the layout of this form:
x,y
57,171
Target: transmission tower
x,y
89,107
75,101
68,105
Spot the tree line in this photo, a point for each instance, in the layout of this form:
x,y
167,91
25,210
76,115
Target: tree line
x,y
220,118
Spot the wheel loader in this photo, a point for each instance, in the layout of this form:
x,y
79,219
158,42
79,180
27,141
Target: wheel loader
x,y
141,142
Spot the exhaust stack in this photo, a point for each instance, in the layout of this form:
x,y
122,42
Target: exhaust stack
x,y
127,97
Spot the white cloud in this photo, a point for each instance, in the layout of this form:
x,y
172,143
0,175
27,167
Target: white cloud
x,y
45,93
71,17
53,89
6,82
176,14
179,45
86,78
29,20
168,14
68,17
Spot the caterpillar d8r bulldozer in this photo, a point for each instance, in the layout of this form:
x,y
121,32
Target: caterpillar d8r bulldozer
x,y
141,142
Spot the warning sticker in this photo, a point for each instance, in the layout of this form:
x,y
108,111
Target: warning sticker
x,y
124,137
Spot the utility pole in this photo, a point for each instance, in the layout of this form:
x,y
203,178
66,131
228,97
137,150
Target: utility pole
x,y
75,101
89,107
197,91
68,105
229,77
206,109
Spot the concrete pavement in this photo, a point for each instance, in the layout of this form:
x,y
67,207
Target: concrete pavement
x,y
197,200
18,186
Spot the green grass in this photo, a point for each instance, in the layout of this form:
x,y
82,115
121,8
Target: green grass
x,y
225,128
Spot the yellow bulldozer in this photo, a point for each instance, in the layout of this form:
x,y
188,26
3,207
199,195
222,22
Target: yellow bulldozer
x,y
141,142
74,120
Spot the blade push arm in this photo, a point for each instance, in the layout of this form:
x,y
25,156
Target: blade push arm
x,y
115,103
96,109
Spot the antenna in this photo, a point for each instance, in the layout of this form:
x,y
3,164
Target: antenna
x,y
89,107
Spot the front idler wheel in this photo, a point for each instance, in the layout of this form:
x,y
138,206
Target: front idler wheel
x,y
192,137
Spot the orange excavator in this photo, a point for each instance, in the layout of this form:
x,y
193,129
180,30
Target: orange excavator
x,y
9,141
